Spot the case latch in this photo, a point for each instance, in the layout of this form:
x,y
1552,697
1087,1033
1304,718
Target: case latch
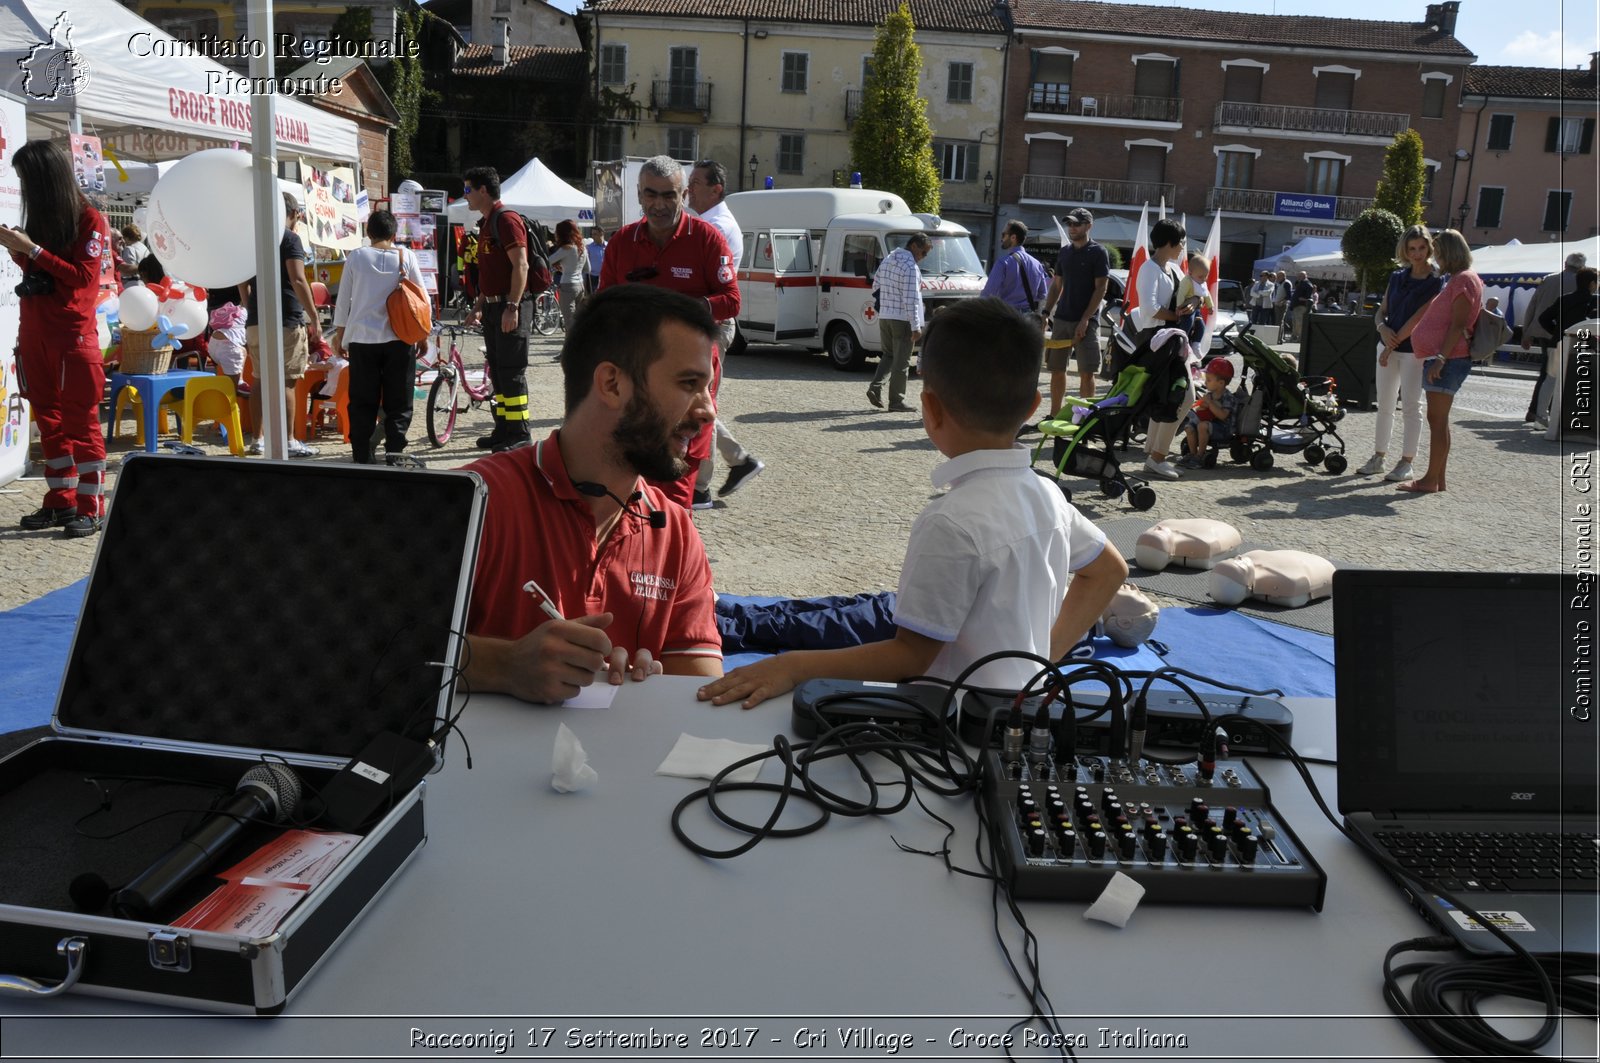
x,y
169,951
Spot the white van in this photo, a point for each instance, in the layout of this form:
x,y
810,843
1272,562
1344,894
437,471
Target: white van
x,y
810,255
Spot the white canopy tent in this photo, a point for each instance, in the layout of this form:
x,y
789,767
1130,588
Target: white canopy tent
x,y
135,180
133,76
1323,251
535,191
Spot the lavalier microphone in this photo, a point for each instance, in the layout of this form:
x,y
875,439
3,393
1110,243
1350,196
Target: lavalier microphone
x,y
656,518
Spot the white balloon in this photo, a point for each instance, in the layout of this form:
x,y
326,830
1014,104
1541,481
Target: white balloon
x,y
139,309
140,216
201,216
189,313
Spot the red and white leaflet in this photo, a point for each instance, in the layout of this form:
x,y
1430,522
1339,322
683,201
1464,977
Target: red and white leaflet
x,y
298,859
248,911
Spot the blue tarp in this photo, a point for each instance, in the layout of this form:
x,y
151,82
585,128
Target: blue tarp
x,y
1239,649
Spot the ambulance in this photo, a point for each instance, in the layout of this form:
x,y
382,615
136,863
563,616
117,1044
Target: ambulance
x,y
809,258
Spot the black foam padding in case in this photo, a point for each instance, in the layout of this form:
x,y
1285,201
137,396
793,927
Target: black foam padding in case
x,y
272,605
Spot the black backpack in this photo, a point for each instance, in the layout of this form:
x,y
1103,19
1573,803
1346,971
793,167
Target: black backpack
x,y
539,275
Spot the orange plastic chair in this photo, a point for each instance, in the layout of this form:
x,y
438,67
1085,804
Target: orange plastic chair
x,y
337,407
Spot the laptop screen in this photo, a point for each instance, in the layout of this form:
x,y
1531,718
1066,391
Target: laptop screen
x,y
1457,692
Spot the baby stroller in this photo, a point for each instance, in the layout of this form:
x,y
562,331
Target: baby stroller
x,y
1285,412
1083,436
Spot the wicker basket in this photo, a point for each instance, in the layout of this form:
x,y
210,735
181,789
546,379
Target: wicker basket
x,y
139,357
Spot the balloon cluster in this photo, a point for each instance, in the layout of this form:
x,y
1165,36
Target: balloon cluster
x,y
199,219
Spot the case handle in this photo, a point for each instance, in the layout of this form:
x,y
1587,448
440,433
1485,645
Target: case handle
x,y
74,949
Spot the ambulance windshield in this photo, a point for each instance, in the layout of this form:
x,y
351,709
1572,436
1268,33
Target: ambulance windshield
x,y
950,253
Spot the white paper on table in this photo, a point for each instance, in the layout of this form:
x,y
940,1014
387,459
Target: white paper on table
x,y
597,695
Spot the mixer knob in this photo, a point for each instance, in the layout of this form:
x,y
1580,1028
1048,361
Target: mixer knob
x,y
1157,844
1036,842
1125,843
1247,846
1230,818
1217,843
1198,809
1097,844
1188,844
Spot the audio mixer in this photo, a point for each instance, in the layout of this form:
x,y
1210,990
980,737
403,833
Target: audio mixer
x,y
1186,833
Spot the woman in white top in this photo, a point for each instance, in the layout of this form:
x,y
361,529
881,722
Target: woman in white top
x,y
1157,285
570,258
382,366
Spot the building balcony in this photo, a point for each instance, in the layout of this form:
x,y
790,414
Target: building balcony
x,y
1298,206
681,100
1055,101
1041,188
852,106
1274,120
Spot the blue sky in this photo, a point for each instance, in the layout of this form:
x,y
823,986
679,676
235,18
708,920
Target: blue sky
x,y
1532,33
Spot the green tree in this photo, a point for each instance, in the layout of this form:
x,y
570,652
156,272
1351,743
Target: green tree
x,y
892,142
1368,245
1400,187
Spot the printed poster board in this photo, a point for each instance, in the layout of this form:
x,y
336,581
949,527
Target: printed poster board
x,y
331,214
88,163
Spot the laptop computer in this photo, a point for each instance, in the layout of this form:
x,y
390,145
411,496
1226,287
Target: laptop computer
x,y
1467,746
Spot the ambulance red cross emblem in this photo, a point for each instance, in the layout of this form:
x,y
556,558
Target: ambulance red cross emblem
x,y
869,313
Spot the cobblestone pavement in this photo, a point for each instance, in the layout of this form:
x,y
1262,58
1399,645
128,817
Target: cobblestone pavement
x,y
831,513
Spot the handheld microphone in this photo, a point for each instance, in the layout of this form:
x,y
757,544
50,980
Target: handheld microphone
x,y
267,791
655,517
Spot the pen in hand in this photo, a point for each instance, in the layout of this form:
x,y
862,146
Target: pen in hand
x,y
533,588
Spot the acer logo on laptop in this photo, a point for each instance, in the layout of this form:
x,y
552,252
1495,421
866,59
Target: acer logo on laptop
x,y
1522,795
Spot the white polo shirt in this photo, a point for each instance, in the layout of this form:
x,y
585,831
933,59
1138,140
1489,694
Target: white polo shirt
x,y
987,564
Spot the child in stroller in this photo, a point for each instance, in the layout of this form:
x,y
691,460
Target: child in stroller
x,y
1284,412
1211,421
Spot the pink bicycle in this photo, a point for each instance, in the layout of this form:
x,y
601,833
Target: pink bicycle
x,y
452,392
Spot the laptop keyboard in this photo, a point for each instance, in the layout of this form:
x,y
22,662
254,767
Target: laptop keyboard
x,y
1496,860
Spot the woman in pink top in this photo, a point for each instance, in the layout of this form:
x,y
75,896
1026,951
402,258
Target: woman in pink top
x,y
1441,340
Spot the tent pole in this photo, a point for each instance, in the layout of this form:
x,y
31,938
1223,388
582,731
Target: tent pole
x,y
274,425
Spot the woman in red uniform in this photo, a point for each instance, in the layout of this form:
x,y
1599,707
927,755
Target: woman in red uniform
x,y
59,249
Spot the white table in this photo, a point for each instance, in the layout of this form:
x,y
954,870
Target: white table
x,y
530,910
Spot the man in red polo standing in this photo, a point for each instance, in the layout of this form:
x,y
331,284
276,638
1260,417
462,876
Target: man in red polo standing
x,y
670,248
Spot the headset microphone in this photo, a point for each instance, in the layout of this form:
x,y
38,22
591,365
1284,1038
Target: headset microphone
x,y
655,517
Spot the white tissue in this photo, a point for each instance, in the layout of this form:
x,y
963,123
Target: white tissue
x,y
702,758
1117,901
569,764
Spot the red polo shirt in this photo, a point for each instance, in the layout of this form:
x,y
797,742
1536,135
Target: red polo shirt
x,y
696,262
494,261
655,581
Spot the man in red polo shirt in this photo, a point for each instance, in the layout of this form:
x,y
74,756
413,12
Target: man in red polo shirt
x,y
575,515
671,248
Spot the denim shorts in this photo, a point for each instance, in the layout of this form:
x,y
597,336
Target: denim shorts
x,y
1450,381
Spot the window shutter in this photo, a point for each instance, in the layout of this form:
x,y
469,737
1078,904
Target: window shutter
x,y
1586,143
1033,65
1552,134
1177,83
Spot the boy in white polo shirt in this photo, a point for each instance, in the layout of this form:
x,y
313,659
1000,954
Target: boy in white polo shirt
x,y
987,564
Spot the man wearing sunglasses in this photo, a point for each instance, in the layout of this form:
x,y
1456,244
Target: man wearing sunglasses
x,y
671,248
502,284
1079,289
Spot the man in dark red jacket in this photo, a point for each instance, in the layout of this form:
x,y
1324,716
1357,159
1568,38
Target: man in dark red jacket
x,y
670,248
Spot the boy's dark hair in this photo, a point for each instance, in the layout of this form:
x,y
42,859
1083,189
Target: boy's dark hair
x,y
1586,277
982,358
622,325
486,178
150,269
381,225
1166,233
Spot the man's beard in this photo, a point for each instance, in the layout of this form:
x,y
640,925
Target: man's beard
x,y
643,437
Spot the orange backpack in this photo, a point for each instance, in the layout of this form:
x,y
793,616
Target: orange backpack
x,y
410,312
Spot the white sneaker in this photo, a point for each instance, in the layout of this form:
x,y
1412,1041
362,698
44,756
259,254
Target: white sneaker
x,y
1401,471
255,447
298,449
1373,466
1161,469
